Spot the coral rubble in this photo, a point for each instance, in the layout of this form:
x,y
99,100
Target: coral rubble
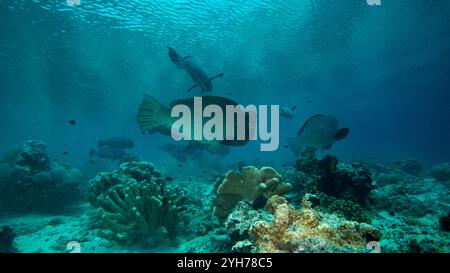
x,y
248,185
135,204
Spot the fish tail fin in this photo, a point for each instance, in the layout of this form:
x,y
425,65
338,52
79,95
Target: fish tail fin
x,y
176,58
92,152
153,117
220,75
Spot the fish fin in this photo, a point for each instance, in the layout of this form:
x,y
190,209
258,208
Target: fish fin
x,y
220,75
153,117
92,152
328,147
293,108
192,87
341,133
295,145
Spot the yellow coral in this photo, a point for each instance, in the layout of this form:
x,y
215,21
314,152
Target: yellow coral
x,y
247,185
291,229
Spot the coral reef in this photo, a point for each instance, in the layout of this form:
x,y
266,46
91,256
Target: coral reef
x,y
135,204
30,157
345,208
441,172
282,228
409,166
248,185
7,236
403,234
409,210
345,181
31,182
386,178
411,196
444,222
351,182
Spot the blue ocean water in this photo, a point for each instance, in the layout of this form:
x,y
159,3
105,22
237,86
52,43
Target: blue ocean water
x,y
383,71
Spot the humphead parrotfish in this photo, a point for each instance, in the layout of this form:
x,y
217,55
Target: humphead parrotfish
x,y
108,153
116,142
319,132
198,75
153,117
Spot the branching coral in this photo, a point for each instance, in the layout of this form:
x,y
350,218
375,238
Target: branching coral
x,y
135,204
248,185
308,230
31,156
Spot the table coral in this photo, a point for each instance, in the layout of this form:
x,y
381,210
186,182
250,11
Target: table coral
x,y
308,230
248,185
135,204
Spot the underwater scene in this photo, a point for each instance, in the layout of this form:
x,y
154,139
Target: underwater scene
x,y
213,126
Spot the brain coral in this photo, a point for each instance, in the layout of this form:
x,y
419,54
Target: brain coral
x,y
247,185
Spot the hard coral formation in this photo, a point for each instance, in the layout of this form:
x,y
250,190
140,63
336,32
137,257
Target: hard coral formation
x,y
351,182
31,157
31,182
345,208
444,222
412,196
345,181
441,172
409,166
308,230
7,236
248,185
135,204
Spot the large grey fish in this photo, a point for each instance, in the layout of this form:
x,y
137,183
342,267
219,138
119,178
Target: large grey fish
x,y
177,151
153,117
198,75
319,132
116,142
191,150
108,153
